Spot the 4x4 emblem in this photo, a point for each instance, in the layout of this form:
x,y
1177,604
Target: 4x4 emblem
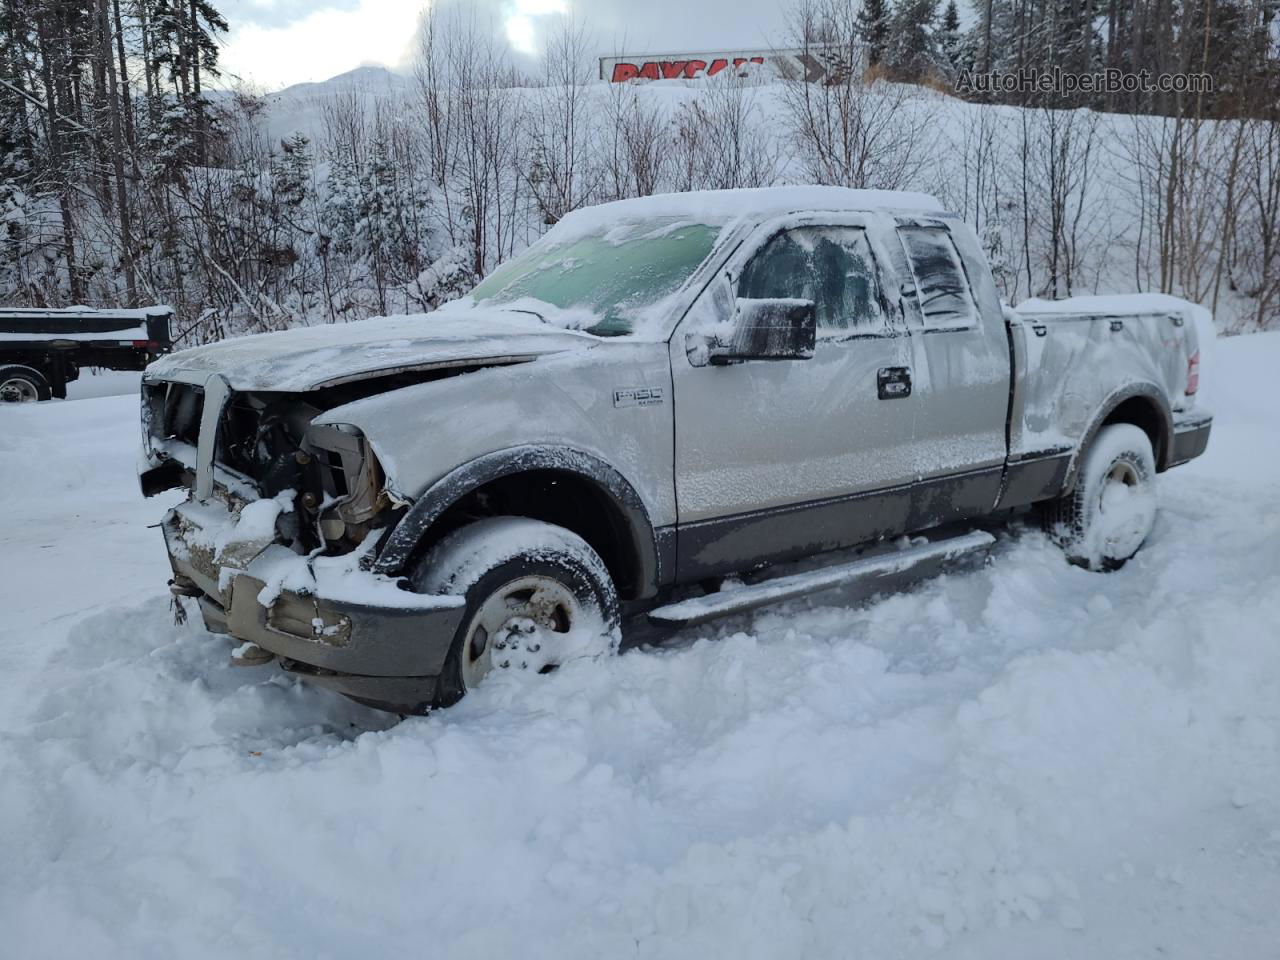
x,y
637,396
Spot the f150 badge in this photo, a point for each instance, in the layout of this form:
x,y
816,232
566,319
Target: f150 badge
x,y
637,396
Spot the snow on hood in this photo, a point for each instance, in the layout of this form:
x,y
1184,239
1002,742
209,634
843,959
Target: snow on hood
x,y
306,358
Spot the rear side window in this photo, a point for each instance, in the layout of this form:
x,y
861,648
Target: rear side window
x,y
832,266
941,287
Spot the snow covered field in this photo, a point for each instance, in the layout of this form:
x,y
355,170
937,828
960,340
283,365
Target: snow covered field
x,y
1027,760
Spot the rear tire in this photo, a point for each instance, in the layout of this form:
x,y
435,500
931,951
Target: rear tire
x,y
21,384
1105,520
537,595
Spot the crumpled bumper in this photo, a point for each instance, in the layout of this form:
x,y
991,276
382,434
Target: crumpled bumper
x,y
382,653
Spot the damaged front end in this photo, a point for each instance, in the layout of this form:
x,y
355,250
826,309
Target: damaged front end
x,y
276,540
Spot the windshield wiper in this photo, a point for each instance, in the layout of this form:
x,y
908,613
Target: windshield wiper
x,y
533,312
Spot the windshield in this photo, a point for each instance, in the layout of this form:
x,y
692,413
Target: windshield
x,y
611,282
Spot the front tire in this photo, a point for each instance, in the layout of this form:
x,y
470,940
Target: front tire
x,y
1106,519
22,384
537,595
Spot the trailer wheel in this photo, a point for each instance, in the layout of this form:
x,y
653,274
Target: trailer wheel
x,y
1106,519
19,384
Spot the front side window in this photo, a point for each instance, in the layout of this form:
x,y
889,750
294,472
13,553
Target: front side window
x,y
832,266
941,287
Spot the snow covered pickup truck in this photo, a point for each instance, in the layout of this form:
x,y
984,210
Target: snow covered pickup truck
x,y
42,350
666,408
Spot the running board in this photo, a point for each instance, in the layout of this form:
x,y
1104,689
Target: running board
x,y
688,613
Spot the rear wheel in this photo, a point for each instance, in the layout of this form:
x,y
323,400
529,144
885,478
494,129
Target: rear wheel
x,y
20,384
1106,519
537,596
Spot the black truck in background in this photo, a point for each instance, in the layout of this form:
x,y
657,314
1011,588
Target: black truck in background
x,y
42,350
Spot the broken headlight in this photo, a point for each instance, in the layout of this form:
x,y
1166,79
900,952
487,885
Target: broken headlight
x,y
351,490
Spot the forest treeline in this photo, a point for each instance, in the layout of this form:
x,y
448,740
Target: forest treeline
x,y
132,172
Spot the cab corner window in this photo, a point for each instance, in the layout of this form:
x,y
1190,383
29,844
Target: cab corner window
x,y
941,287
832,266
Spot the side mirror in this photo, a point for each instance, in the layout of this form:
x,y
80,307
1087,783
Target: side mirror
x,y
766,330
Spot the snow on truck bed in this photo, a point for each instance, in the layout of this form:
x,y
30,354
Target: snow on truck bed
x,y
1110,305
23,323
1026,760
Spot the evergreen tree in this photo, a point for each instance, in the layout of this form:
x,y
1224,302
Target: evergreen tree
x,y
873,29
949,36
912,52
183,39
291,172
17,145
447,278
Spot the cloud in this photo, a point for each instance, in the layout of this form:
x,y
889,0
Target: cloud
x,y
274,13
672,26
323,43
279,42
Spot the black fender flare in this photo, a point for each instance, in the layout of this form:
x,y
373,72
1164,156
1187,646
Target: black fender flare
x,y
1145,390
650,548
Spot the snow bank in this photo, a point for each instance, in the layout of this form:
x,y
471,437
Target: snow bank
x,y
1027,760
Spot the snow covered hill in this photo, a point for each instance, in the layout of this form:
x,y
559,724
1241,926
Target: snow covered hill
x,y
1063,201
1027,760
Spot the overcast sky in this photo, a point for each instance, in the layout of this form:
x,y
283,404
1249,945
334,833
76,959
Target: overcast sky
x,y
273,43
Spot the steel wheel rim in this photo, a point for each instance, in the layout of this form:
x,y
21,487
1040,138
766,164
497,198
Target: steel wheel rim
x,y
1123,532
520,626
18,390
1122,471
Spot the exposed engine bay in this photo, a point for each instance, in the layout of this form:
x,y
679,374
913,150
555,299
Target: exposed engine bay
x,y
267,445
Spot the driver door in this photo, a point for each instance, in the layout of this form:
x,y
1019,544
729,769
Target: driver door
x,y
775,459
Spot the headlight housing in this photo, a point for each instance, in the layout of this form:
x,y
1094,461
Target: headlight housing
x,y
352,489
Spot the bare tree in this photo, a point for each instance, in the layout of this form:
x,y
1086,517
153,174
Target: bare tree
x,y
850,134
722,138
466,85
1257,234
635,158
972,182
560,174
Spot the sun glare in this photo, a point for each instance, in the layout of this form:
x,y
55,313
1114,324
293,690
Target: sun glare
x,y
522,32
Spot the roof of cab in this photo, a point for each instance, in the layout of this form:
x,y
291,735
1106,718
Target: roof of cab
x,y
719,206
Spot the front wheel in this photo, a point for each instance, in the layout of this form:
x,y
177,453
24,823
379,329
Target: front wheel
x,y
1106,519
537,596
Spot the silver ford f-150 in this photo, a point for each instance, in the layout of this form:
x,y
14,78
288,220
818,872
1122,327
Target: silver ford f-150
x,y
657,395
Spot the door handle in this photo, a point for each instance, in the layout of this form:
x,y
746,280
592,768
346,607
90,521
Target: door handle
x,y
893,383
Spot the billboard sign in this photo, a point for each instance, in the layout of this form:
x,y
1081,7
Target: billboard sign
x,y
815,64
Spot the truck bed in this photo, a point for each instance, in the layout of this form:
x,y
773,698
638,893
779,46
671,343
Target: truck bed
x,y
56,343
1077,356
22,325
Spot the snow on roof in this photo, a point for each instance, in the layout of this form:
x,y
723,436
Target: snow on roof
x,y
718,206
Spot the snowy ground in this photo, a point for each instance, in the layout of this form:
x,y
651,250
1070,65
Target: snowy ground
x,y
1022,761
104,383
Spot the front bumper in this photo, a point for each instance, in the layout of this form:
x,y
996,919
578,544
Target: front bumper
x,y
385,654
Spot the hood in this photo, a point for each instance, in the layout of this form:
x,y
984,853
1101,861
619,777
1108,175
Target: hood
x,y
307,358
